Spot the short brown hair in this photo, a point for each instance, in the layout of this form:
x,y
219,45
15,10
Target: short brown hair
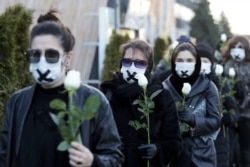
x,y
144,47
141,45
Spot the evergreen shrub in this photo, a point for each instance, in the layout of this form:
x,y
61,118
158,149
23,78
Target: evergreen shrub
x,y
14,37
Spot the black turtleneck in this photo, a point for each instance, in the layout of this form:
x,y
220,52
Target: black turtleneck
x,y
177,82
40,136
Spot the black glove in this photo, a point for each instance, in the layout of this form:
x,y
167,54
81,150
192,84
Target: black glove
x,y
147,151
186,117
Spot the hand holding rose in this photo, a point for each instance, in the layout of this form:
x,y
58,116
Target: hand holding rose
x,y
79,155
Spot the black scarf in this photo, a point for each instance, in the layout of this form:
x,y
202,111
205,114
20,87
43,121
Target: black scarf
x,y
125,90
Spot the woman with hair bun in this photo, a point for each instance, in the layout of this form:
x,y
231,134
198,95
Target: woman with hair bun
x,y
29,136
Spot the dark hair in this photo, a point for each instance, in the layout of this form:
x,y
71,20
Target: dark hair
x,y
184,46
205,50
49,24
232,43
144,47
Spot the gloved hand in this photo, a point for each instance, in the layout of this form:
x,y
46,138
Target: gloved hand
x,y
147,151
186,117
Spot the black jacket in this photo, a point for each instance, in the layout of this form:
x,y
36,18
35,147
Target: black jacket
x,y
99,134
164,129
203,102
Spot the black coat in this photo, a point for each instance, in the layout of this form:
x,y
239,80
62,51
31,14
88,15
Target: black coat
x,y
98,134
164,129
203,102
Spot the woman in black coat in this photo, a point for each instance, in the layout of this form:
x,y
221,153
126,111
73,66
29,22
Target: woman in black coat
x,y
199,117
122,90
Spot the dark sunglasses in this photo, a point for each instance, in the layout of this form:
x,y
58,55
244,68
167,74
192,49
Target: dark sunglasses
x,y
51,55
138,63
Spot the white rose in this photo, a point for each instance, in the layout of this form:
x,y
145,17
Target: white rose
x,y
223,37
231,72
218,69
72,80
186,88
142,80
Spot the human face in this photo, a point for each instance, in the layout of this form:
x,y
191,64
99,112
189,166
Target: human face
x,y
129,71
238,52
184,64
48,75
205,65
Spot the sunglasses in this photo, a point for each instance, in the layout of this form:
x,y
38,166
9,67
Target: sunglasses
x,y
51,55
137,63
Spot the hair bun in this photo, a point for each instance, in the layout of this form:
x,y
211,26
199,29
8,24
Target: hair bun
x,y
50,16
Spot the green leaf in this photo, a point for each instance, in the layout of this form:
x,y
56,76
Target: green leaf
x,y
143,116
132,123
151,105
153,95
63,146
179,106
224,111
61,114
140,109
54,118
142,104
136,102
232,111
150,111
66,132
144,125
75,114
74,122
135,124
91,105
87,115
184,127
58,104
61,122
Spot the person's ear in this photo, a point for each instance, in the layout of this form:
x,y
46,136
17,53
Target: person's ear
x,y
68,59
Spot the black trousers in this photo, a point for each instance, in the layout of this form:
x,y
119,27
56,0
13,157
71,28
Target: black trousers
x,y
244,140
